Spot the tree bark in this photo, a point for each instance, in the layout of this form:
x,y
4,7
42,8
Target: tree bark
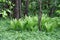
x,y
52,11
53,8
26,7
19,3
17,9
40,15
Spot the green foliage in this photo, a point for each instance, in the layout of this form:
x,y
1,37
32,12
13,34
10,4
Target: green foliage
x,y
33,6
4,13
6,7
2,0
15,35
31,23
49,24
58,11
27,35
17,24
4,24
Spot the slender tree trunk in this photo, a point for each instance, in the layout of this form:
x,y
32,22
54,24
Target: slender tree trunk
x,y
17,8
53,8
19,3
40,15
52,11
26,7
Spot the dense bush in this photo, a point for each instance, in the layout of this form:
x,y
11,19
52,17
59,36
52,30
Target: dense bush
x,y
31,23
48,23
6,7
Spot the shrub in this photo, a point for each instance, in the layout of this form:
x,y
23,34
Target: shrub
x,y
48,23
31,23
17,24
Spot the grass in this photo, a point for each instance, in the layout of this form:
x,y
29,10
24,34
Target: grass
x,y
25,35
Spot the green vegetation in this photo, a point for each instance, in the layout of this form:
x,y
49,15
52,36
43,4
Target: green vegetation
x,y
31,23
29,19
15,35
27,29
9,34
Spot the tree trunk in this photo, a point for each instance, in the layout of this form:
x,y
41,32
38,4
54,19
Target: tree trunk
x,y
53,8
17,8
52,11
19,3
26,7
40,15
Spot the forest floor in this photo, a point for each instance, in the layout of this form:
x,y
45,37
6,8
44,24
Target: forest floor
x,y
15,35
32,35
